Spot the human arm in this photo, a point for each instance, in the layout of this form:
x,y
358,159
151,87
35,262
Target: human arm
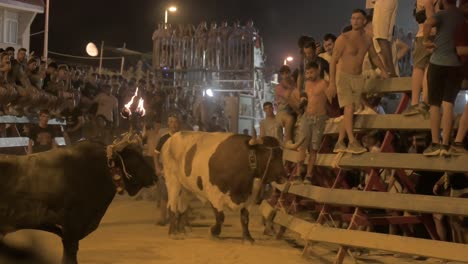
x,y
429,8
427,27
460,44
336,56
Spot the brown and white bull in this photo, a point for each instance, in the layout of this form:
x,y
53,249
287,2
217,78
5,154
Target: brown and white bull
x,y
222,168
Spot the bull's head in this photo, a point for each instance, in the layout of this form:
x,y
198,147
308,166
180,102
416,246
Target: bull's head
x,y
127,154
269,157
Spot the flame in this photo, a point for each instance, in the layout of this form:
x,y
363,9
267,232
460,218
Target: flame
x,y
140,108
129,104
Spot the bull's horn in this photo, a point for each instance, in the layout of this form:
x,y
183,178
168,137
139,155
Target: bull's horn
x,y
253,140
294,146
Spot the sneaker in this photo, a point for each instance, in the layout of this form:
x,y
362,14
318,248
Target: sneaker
x,y
411,110
444,150
339,147
457,149
296,180
307,180
432,150
356,148
423,108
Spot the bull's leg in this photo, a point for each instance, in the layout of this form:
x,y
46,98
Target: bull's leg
x,y
245,226
70,249
216,228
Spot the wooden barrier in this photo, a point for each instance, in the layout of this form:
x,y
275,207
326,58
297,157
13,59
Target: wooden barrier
x,y
391,243
387,161
379,200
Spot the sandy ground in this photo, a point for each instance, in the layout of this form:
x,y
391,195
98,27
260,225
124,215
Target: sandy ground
x,y
128,235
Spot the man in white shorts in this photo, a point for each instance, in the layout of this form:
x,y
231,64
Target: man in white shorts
x,y
383,22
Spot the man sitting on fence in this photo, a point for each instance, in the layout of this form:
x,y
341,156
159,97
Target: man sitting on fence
x,y
313,121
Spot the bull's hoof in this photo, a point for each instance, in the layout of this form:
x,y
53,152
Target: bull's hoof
x,y
177,236
215,230
248,239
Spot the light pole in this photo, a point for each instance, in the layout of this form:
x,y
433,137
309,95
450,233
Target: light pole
x,y
46,32
288,59
166,13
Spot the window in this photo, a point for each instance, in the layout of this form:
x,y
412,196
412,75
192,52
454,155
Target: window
x,y
11,27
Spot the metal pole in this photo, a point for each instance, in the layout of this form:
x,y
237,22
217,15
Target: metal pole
x,y
100,57
123,61
46,32
165,19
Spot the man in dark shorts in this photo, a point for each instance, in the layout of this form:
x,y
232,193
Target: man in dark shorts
x,y
445,73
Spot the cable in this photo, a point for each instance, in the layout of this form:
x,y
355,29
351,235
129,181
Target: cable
x,y
85,58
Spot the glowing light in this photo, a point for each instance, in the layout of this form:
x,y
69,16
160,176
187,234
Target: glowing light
x,y
140,110
172,9
209,92
289,58
92,50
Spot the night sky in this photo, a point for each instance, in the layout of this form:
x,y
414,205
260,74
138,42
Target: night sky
x,y
75,23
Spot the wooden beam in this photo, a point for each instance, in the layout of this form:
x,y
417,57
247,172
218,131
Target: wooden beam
x,y
383,220
13,142
352,238
7,119
382,122
391,85
387,161
380,200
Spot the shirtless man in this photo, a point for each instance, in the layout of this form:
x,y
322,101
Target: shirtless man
x,y
314,119
283,92
350,50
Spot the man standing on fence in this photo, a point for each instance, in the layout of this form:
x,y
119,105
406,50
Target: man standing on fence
x,y
42,136
444,75
350,49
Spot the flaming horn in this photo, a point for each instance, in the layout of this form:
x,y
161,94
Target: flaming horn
x,y
137,113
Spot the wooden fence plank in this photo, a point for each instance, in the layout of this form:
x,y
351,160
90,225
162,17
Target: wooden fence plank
x,y
380,200
12,142
352,238
388,161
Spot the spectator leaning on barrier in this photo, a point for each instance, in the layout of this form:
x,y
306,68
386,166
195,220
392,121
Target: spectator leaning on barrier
x,y
42,136
444,75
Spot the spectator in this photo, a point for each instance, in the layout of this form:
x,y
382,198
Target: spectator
x,y
421,56
283,92
42,136
328,45
350,49
444,75
173,124
383,22
313,121
461,42
270,126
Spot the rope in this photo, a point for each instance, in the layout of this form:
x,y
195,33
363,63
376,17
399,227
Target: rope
x,y
85,58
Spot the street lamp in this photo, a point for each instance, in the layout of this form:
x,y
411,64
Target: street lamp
x,y
288,59
170,9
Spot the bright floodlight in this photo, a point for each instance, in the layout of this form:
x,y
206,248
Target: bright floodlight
x,y
289,58
209,92
172,9
92,50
